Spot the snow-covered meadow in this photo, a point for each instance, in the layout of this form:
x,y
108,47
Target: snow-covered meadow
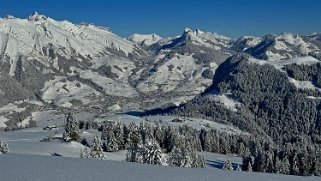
x,y
16,167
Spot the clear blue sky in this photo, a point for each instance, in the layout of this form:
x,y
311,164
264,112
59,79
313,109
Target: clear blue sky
x,y
169,17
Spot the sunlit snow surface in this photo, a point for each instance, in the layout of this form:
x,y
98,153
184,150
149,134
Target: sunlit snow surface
x,y
39,168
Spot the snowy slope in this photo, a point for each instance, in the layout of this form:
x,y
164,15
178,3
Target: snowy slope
x,y
57,169
245,42
306,60
39,31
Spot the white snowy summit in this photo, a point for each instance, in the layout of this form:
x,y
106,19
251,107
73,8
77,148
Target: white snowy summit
x,y
39,33
145,40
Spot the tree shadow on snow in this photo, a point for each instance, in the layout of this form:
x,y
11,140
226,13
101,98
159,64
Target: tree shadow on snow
x,y
218,164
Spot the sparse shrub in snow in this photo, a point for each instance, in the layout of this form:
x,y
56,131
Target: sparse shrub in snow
x,y
71,128
4,148
85,153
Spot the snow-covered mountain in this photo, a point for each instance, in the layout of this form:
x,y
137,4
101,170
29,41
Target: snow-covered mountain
x,y
144,40
50,64
252,95
245,42
198,38
41,36
284,46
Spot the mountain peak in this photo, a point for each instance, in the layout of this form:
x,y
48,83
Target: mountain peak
x,y
187,30
145,40
9,17
35,16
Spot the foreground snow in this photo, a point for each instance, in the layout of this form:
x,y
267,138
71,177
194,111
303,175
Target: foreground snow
x,y
58,169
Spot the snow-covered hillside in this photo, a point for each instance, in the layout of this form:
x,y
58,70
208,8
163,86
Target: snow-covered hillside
x,y
284,46
32,168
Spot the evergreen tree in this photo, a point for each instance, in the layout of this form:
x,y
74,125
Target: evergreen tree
x,y
295,167
259,162
119,136
95,151
284,166
159,135
111,144
71,128
183,155
152,153
135,153
270,167
134,136
241,149
247,164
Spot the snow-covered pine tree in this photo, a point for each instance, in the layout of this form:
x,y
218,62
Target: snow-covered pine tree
x,y
135,153
270,166
184,155
159,134
96,150
119,136
284,167
153,153
259,162
295,167
171,135
317,165
4,148
134,136
228,165
211,141
145,131
112,144
241,149
71,128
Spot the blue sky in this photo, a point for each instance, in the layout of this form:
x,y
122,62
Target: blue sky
x,y
169,17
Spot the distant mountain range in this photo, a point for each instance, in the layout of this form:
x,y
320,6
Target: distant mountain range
x,y
48,64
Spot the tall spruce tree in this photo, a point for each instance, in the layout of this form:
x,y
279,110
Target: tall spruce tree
x,y
96,150
71,128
